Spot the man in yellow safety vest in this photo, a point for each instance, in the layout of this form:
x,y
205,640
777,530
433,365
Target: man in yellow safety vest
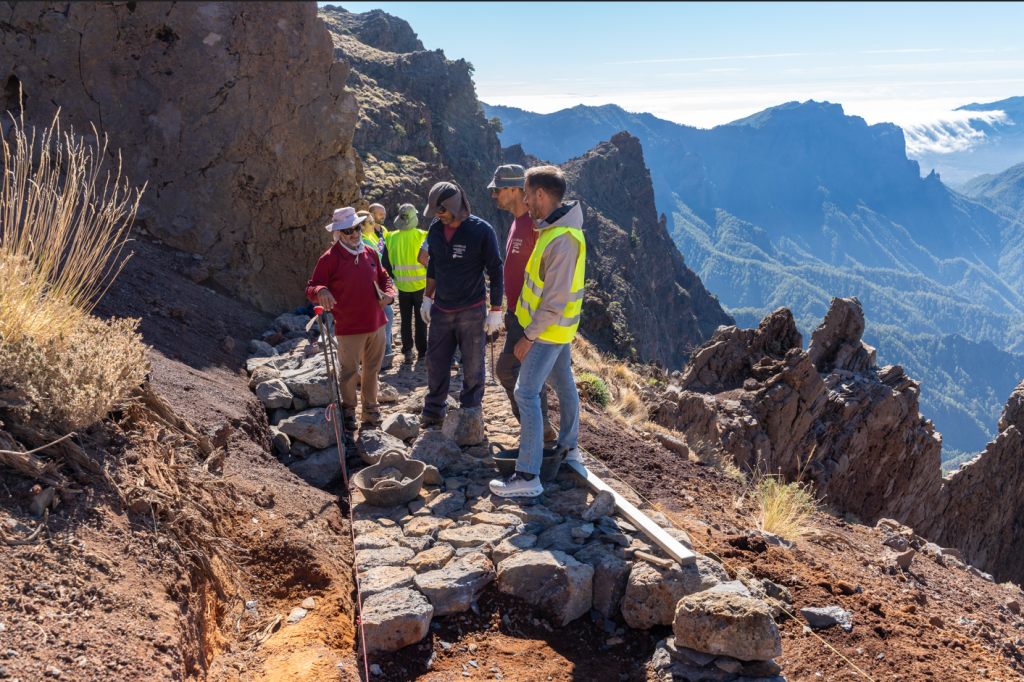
x,y
549,311
410,277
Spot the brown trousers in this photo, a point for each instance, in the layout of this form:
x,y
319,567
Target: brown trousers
x,y
351,349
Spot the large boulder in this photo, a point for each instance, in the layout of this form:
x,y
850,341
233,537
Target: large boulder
x,y
653,592
453,588
611,575
727,624
385,578
309,383
560,587
395,618
465,425
273,393
435,449
511,545
320,468
310,426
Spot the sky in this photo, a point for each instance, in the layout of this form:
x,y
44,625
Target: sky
x,y
705,64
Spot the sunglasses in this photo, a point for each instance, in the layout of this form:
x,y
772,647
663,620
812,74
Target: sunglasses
x,y
348,230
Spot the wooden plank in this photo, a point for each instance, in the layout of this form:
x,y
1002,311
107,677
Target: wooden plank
x,y
672,547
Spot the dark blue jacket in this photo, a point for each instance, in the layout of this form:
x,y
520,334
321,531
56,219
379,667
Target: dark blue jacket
x,y
458,266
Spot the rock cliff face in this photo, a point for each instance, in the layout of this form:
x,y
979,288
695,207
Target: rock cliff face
x,y
641,300
420,121
234,114
829,416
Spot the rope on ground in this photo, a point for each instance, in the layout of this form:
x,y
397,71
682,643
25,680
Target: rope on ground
x,y
660,508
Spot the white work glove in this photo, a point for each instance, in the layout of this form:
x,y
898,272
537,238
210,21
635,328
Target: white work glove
x,y
425,308
493,321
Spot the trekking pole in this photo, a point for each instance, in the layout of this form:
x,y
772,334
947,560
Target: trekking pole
x,y
334,410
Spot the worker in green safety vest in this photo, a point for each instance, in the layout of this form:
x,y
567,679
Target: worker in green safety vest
x,y
410,277
549,310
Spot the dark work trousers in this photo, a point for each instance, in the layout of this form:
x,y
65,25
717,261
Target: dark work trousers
x,y
465,330
508,365
409,303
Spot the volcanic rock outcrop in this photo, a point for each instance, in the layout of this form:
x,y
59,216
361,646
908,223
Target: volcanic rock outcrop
x,y
829,416
641,299
234,115
420,121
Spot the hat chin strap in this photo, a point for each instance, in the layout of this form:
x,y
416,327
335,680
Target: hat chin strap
x,y
354,252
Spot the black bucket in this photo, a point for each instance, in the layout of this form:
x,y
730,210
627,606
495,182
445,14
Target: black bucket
x,y
505,461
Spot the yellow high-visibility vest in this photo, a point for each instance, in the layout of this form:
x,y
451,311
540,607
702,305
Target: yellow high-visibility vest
x,y
529,300
403,247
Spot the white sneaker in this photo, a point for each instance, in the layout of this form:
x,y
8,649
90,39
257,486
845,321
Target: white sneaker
x,y
516,486
573,455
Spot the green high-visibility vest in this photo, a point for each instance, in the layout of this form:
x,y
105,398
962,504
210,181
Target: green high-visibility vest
x,y
529,300
403,247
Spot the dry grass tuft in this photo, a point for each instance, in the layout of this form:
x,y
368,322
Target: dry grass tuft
x,y
785,509
623,384
63,225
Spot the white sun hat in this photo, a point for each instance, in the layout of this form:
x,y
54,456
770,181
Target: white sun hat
x,y
344,218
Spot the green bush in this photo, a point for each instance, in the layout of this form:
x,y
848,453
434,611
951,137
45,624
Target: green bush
x,y
634,239
496,124
399,130
594,388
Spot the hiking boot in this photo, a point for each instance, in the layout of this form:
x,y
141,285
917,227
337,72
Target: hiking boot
x,y
549,432
350,422
373,418
387,361
426,422
408,358
516,486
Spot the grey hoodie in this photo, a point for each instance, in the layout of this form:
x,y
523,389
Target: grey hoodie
x,y
557,268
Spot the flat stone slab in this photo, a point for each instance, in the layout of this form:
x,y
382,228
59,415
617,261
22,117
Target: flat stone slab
x,y
727,624
395,618
426,525
376,540
511,545
446,503
432,559
536,513
453,588
474,536
495,519
374,558
560,587
385,578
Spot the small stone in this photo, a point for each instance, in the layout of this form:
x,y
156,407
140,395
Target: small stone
x,y
827,617
395,619
727,624
281,442
495,519
296,615
420,544
603,505
308,603
465,426
376,670
384,578
274,394
431,476
474,536
453,588
1013,606
401,425
432,559
426,525
53,671
903,560
583,531
227,344
658,518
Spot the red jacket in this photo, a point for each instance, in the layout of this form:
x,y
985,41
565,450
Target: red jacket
x,y
351,284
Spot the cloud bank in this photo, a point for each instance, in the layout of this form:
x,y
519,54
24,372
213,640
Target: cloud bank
x,y
949,132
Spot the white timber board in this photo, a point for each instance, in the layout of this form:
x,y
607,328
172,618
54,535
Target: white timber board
x,y
672,547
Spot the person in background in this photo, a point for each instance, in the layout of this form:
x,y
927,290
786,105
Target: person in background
x,y
379,214
549,310
373,236
461,249
402,246
343,283
507,190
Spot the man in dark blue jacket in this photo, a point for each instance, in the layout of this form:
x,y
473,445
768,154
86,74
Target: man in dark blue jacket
x,y
460,249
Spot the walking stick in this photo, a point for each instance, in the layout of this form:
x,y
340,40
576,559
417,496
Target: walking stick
x,y
329,348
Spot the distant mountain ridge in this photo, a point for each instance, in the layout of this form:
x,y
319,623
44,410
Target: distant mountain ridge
x,y
1002,192
799,203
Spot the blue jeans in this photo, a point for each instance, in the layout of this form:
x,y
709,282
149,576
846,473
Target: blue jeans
x,y
546,362
448,331
389,312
